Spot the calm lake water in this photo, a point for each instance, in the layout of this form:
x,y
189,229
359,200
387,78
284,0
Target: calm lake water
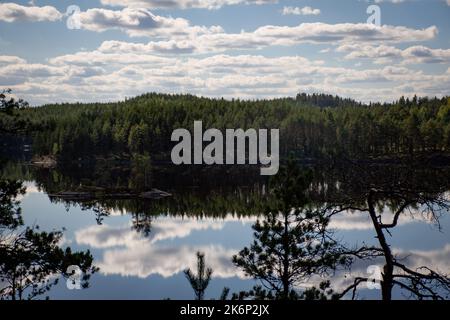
x,y
149,265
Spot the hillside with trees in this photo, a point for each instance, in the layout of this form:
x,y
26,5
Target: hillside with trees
x,y
311,126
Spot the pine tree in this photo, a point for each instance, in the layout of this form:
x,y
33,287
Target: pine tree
x,y
291,242
200,281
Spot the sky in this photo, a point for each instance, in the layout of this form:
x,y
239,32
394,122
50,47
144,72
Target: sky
x,y
108,50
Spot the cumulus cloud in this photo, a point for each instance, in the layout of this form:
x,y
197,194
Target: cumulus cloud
x,y
139,22
11,12
357,51
97,58
20,72
109,74
313,33
119,69
234,74
182,4
322,32
422,54
183,38
391,1
6,60
402,1
153,47
385,54
305,11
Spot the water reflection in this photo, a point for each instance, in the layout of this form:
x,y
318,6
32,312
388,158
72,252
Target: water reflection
x,y
156,240
132,254
32,261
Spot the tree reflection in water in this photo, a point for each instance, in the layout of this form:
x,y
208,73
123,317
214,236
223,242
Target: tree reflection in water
x,y
31,261
405,189
292,241
293,238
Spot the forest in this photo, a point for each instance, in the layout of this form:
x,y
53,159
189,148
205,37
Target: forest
x,y
311,126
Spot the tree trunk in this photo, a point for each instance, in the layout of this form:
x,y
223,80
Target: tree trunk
x,y
285,278
388,270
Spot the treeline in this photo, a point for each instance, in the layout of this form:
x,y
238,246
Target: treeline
x,y
310,125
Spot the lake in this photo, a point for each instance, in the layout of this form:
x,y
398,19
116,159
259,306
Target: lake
x,y
142,246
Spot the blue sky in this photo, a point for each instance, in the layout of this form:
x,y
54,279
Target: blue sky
x,y
224,48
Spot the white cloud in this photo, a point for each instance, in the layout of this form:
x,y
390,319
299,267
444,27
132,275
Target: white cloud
x,y
421,54
385,54
103,76
153,47
119,69
356,51
182,4
11,12
391,1
322,32
183,38
305,11
6,60
13,74
140,22
402,1
97,58
310,33
314,33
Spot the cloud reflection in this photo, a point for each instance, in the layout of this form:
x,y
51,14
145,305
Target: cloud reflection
x,y
129,253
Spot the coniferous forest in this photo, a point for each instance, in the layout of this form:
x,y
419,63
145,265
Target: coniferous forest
x,y
311,126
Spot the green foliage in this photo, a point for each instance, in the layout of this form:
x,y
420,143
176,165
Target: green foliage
x,y
8,104
10,212
31,261
141,171
257,293
200,281
224,294
323,292
291,242
11,120
310,125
